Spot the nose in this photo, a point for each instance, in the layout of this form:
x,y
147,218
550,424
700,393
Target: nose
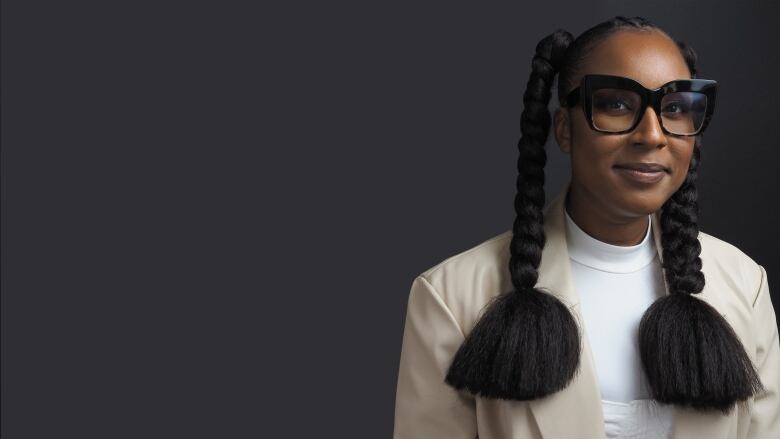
x,y
648,131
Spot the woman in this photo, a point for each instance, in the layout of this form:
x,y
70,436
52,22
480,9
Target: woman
x,y
591,317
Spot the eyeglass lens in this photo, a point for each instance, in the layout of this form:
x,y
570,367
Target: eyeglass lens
x,y
615,110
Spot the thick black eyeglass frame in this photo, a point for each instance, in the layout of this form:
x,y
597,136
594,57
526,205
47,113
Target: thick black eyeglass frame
x,y
584,93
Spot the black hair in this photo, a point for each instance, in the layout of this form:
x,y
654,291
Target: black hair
x,y
526,344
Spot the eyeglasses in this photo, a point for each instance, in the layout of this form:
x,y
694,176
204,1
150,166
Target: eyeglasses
x,y
615,104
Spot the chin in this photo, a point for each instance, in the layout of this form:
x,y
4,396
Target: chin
x,y
642,203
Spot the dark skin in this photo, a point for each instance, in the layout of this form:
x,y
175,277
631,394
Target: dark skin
x,y
601,201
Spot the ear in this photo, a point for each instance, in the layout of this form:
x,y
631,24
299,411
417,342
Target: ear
x,y
562,129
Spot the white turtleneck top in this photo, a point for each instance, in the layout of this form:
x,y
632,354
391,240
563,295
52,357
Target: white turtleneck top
x,y
616,284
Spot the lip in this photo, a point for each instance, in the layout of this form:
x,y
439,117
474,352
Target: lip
x,y
645,167
639,176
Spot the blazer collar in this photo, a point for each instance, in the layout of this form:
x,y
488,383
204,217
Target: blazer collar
x,y
571,412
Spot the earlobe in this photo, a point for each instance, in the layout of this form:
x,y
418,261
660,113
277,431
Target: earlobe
x,y
562,130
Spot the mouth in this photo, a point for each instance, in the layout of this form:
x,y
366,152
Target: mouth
x,y
648,168
642,174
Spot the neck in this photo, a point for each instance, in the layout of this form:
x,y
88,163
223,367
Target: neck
x,y
600,223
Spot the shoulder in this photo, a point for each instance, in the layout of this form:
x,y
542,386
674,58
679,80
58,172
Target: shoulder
x,y
487,252
727,263
466,281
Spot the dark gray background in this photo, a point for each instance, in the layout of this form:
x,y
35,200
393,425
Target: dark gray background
x,y
213,212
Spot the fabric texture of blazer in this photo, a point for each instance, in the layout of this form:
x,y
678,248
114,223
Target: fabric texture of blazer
x,y
445,302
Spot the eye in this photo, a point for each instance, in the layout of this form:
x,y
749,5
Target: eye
x,y
617,105
612,104
615,102
673,107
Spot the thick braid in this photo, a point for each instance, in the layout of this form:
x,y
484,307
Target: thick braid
x,y
679,238
528,229
690,353
526,344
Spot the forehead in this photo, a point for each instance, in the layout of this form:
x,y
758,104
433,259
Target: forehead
x,y
651,58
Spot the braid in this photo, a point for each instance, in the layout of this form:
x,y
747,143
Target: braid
x,y
679,237
696,360
526,345
528,238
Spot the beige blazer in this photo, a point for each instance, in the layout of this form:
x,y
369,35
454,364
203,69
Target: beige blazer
x,y
445,302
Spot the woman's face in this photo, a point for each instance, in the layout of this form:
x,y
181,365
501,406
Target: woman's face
x,y
652,59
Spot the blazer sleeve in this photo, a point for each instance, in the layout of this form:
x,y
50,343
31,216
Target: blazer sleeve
x,y
425,406
765,415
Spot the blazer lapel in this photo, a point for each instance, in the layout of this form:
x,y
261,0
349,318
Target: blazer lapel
x,y
576,411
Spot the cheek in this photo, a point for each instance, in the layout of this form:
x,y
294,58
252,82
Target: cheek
x,y
679,177
682,160
593,157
